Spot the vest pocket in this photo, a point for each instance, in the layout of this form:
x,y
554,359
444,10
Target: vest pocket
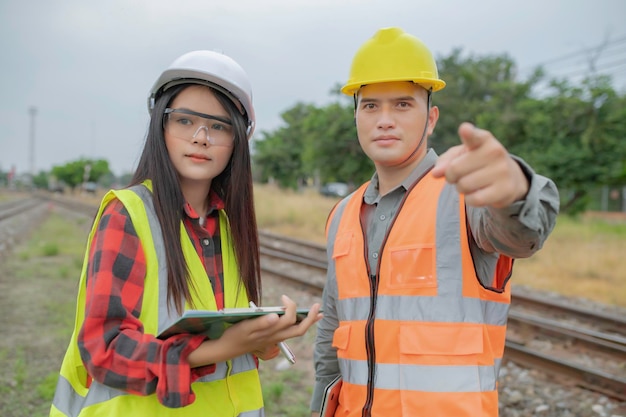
x,y
343,243
341,337
412,267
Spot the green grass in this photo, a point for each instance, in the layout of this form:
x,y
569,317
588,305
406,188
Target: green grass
x,y
279,395
37,302
49,249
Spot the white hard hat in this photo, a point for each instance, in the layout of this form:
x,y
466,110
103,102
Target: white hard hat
x,y
213,69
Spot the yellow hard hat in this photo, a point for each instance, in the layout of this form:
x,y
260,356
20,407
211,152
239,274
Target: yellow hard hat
x,y
393,55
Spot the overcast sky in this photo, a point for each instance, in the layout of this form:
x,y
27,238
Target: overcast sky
x,y
87,66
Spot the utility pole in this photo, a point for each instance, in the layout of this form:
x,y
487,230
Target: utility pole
x,y
33,113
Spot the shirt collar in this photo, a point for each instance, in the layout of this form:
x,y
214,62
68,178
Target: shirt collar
x,y
215,203
372,196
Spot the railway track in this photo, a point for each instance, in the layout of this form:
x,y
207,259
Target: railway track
x,y
573,344
17,218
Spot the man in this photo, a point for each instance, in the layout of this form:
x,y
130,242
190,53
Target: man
x,y
417,294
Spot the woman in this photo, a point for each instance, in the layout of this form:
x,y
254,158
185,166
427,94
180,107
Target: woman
x,y
182,235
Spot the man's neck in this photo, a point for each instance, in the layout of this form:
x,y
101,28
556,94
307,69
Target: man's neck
x,y
389,177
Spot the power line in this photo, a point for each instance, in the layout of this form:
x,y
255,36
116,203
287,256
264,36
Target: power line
x,y
582,52
585,60
606,58
605,67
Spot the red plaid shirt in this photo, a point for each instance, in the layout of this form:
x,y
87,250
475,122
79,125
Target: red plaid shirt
x,y
112,342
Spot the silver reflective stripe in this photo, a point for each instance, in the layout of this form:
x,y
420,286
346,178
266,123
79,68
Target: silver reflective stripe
x,y
65,396
99,393
242,363
430,309
239,364
166,316
221,370
253,413
332,233
424,378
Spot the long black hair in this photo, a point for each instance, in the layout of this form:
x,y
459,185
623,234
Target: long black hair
x,y
233,185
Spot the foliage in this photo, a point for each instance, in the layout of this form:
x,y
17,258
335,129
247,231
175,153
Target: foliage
x,y
570,133
41,180
315,143
82,170
279,153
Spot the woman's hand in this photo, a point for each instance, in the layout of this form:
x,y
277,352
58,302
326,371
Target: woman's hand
x,y
255,335
271,329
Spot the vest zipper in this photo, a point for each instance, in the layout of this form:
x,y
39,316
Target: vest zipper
x,y
369,347
374,280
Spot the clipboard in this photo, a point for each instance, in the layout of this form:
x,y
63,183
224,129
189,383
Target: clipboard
x,y
330,400
212,323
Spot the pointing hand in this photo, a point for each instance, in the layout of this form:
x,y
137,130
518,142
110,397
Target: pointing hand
x,y
482,169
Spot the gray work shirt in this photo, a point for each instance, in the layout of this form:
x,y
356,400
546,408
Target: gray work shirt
x,y
518,231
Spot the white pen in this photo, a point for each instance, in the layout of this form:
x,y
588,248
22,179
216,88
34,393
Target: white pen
x,y
282,345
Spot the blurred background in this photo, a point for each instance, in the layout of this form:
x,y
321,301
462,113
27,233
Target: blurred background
x,y
548,78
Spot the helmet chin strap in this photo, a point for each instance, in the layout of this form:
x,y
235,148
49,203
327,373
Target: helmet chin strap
x,y
423,133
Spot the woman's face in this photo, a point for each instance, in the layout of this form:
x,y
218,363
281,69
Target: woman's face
x,y
198,145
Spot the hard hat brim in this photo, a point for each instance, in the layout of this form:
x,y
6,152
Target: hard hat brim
x,y
432,84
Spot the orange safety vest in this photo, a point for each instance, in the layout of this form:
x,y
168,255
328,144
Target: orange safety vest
x,y
420,336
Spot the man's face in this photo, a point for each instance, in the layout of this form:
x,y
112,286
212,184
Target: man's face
x,y
390,121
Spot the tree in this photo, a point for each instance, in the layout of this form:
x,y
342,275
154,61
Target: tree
x,y
573,134
578,134
278,154
481,90
73,173
41,180
332,147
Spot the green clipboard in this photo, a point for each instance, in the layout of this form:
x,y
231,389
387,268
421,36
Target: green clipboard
x,y
213,323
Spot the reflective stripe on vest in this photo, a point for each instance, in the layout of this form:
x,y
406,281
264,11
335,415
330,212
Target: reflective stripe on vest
x,y
232,390
420,336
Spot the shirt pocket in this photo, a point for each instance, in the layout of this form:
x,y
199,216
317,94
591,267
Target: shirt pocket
x,y
412,267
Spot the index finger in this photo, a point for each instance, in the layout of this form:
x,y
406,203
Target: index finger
x,y
471,136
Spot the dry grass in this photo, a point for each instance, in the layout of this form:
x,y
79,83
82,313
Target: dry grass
x,y
582,258
297,214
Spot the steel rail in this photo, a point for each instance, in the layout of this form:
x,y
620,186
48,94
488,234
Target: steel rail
x,y
610,385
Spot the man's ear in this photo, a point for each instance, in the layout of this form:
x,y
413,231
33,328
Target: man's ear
x,y
433,116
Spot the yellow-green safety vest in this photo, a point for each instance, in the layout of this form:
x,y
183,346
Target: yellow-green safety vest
x,y
233,389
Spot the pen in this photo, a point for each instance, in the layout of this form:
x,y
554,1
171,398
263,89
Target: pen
x,y
284,348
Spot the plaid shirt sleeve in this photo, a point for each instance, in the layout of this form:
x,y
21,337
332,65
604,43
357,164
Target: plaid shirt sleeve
x,y
112,342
